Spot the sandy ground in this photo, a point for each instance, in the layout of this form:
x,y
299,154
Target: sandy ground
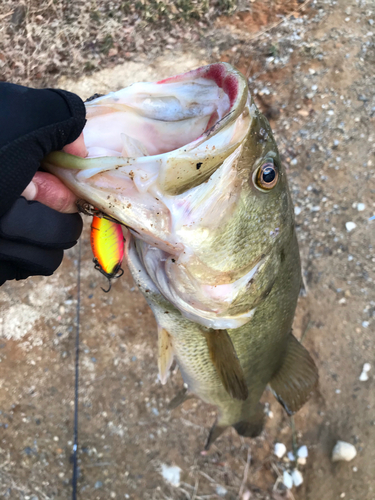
x,y
314,77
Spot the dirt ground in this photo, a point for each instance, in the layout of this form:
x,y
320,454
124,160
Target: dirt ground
x,y
313,76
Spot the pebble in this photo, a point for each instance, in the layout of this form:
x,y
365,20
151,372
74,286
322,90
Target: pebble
x,y
303,452
246,495
361,207
171,474
297,478
343,452
350,226
365,324
221,491
279,450
291,456
364,375
287,480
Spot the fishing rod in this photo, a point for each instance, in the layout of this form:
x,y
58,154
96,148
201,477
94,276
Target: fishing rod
x,y
76,382
107,244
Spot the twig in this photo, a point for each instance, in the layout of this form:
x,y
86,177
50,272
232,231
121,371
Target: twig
x,y
3,16
99,464
245,474
184,492
195,489
207,477
190,424
276,470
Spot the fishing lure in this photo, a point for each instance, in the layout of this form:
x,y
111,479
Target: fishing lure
x,y
107,244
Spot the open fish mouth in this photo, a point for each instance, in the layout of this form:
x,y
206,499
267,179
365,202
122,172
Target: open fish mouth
x,y
163,161
151,142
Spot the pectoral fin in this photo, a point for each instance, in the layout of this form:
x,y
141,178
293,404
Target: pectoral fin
x,y
226,362
296,379
165,355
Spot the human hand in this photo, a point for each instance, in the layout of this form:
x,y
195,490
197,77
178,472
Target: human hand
x,y
33,234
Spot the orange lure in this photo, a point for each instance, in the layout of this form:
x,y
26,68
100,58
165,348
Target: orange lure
x,y
107,243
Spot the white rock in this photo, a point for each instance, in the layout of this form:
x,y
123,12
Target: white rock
x,y
301,461
279,450
291,456
366,367
363,377
350,226
343,451
361,207
221,491
303,452
297,478
171,474
246,495
297,210
287,480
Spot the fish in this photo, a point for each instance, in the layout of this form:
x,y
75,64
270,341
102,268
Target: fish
x,y
190,167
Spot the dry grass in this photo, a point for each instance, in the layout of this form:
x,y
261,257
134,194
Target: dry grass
x,y
41,40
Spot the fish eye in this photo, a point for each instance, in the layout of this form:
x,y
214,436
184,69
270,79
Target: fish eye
x,y
267,175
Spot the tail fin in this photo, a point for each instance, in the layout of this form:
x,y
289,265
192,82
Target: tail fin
x,y
251,427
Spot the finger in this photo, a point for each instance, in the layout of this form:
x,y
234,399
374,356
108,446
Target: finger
x,y
77,148
49,190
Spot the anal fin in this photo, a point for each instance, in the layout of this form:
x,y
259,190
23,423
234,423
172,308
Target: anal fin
x,y
227,364
296,378
165,354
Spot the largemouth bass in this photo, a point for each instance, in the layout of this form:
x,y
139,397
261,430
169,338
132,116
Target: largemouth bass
x,y
190,166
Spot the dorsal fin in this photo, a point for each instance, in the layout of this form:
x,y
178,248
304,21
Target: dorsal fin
x,y
226,362
296,378
165,354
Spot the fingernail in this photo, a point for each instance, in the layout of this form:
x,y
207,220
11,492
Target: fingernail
x,y
30,191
